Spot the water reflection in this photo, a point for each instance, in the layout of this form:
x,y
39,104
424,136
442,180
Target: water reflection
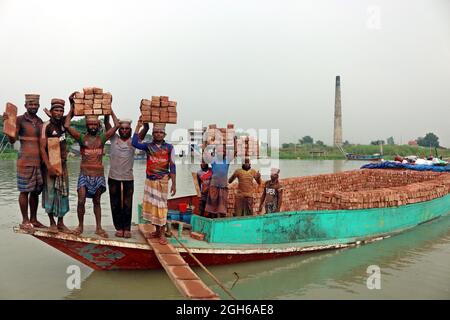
x,y
339,271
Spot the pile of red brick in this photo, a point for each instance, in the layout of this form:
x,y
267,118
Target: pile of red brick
x,y
358,189
247,146
159,110
220,136
92,101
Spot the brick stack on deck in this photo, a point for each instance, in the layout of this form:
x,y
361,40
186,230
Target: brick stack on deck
x,y
358,189
92,101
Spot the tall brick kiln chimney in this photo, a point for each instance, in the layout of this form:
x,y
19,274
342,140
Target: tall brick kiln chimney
x,y
337,139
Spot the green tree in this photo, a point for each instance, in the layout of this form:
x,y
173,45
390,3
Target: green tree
x,y
306,140
320,143
377,142
430,140
390,141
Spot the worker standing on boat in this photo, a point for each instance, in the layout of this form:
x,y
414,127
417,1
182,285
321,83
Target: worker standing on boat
x,y
216,203
91,182
55,196
160,168
244,198
120,177
29,174
204,178
272,194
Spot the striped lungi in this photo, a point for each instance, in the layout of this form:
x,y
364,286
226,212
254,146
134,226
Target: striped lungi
x,y
55,197
154,206
92,184
29,179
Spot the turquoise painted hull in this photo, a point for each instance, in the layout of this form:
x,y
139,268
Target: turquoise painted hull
x,y
319,226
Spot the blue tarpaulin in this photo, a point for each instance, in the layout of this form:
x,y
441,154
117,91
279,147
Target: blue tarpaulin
x,y
397,165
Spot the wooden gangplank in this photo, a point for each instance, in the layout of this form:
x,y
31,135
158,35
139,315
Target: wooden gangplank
x,y
186,280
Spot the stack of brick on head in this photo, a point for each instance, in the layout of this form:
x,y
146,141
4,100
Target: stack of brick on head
x,y
91,182
53,148
29,174
160,169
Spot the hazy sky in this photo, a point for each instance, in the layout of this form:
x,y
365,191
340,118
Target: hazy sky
x,y
255,63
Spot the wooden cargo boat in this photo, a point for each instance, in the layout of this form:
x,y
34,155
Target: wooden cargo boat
x,y
318,213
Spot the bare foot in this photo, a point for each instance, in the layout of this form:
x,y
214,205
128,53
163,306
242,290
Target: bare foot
x,y
53,229
78,231
119,233
37,224
64,229
27,226
163,240
127,234
155,234
102,233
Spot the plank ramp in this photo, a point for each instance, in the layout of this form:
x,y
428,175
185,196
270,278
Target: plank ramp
x,y
184,278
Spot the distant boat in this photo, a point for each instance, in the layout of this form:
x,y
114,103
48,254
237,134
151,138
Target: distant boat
x,y
364,157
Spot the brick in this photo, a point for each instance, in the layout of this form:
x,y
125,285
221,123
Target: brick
x,y
79,109
88,91
79,95
54,153
198,236
9,126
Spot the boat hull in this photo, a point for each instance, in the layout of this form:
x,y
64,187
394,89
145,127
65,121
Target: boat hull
x,y
252,238
111,257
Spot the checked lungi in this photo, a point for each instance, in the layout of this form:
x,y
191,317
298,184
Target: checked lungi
x,y
92,184
154,207
55,196
29,179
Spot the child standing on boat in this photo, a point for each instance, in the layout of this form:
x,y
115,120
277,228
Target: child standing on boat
x,y
272,194
160,168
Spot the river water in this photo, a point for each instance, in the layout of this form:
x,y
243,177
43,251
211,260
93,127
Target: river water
x,y
414,264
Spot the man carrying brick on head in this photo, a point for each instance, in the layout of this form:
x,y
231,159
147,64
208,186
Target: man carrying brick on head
x,y
120,177
29,174
91,182
272,194
244,198
160,168
55,196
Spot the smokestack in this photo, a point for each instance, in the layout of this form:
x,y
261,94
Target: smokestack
x,y
337,139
